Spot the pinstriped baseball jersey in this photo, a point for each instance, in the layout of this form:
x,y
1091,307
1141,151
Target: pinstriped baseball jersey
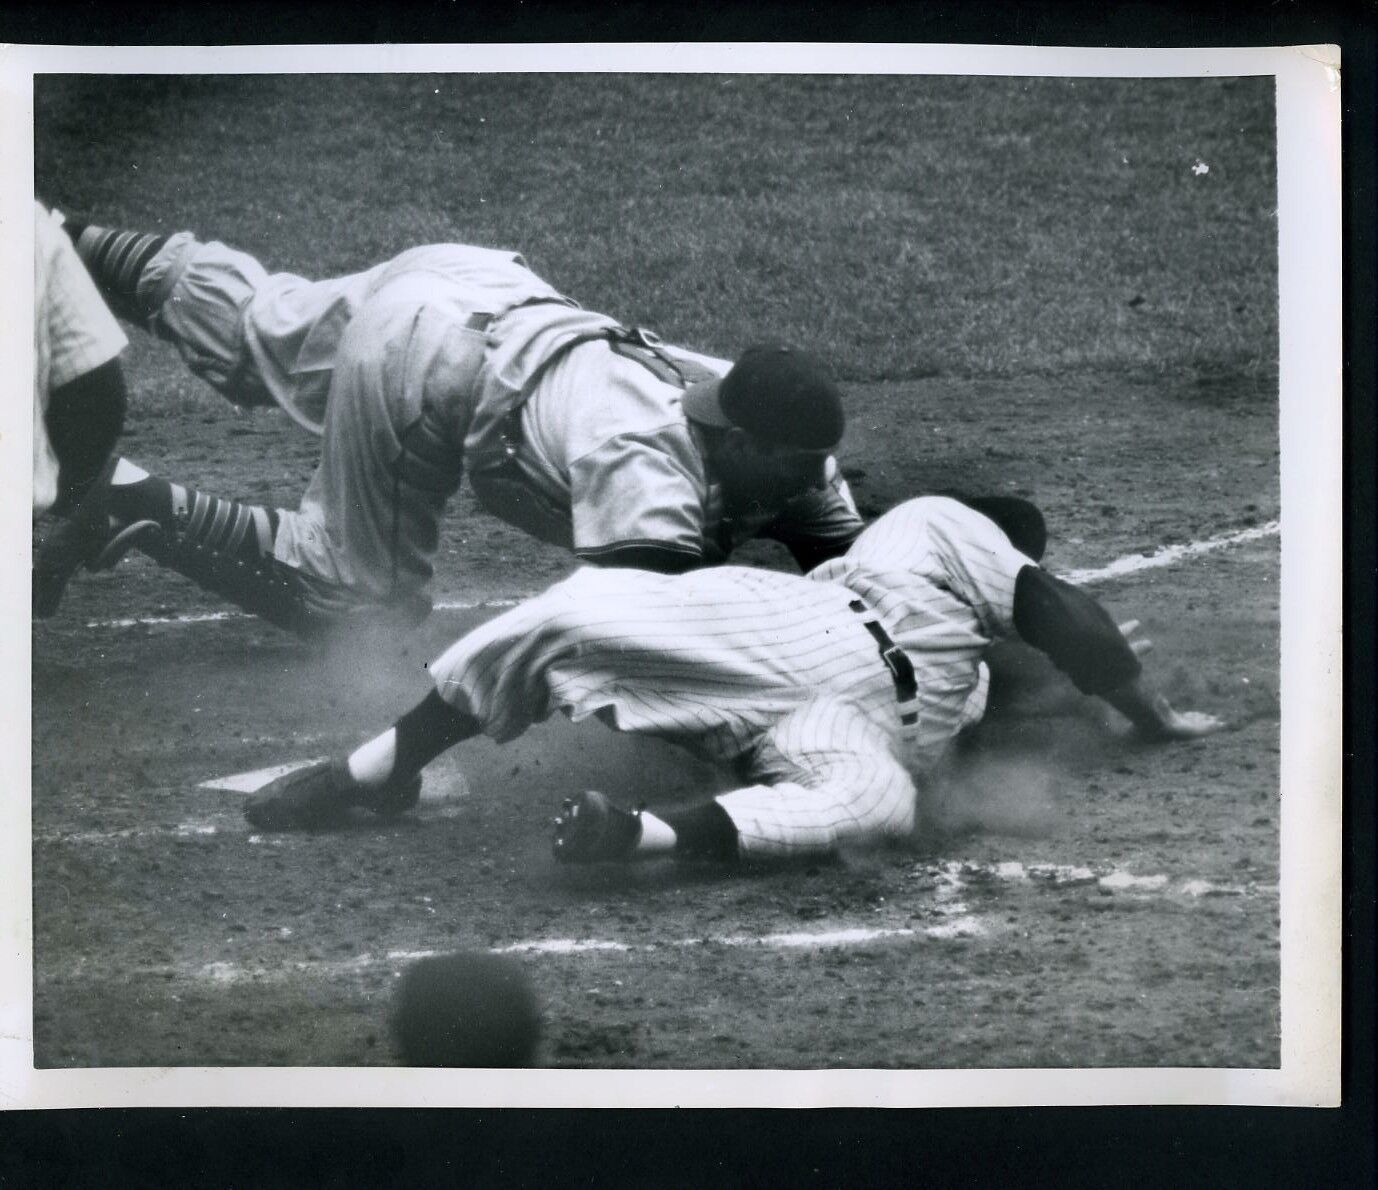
x,y
773,671
607,459
74,333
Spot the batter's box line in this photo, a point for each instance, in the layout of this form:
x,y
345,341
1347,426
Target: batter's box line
x,y
1119,568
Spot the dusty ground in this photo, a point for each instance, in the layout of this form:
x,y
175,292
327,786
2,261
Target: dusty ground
x,y
167,933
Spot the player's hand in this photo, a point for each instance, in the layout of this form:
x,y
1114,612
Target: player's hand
x,y
1190,725
1170,724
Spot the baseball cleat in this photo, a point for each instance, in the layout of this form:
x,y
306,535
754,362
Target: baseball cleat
x,y
70,544
307,799
393,798
590,829
84,538
321,795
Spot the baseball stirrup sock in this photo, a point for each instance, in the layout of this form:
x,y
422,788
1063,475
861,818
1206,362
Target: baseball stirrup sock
x,y
409,745
703,832
225,528
428,729
116,260
221,545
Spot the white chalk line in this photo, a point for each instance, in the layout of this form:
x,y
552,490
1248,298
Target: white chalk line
x,y
966,926
1169,554
1129,564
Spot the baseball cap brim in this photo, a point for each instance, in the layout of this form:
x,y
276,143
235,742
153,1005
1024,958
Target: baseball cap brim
x,y
701,404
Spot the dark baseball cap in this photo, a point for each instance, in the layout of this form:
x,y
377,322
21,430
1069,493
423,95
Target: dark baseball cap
x,y
777,394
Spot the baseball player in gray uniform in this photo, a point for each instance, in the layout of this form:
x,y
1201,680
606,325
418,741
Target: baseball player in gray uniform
x,y
578,430
829,694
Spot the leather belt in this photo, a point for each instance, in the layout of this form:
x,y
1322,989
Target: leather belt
x,y
896,661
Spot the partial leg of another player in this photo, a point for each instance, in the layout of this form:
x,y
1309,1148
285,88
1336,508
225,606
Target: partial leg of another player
x,y
362,541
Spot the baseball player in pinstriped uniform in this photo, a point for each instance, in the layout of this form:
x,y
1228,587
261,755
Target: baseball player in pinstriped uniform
x,y
574,428
830,694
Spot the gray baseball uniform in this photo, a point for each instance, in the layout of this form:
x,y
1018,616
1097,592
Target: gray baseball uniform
x,y
416,367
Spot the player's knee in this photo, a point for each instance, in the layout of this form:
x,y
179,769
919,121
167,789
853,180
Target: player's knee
x,y
882,814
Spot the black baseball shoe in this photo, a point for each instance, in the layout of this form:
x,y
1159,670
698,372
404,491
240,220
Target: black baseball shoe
x,y
321,795
84,538
393,798
590,829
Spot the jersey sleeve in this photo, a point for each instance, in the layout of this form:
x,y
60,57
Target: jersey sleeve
x,y
1010,591
956,547
820,524
1074,631
82,334
641,489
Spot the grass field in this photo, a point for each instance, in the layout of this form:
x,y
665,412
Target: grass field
x,y
1062,288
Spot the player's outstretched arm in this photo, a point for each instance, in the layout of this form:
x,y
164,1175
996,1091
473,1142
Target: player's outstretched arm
x,y
85,417
1156,718
1100,656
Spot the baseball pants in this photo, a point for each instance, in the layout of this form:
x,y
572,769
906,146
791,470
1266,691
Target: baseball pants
x,y
388,369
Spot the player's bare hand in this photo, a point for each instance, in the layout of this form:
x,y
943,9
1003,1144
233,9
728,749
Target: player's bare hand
x,y
1190,725
1140,644
1172,724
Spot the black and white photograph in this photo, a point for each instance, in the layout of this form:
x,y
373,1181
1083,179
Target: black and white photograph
x,y
772,562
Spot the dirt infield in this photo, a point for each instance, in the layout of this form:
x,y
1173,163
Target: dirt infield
x,y
1059,288
1073,899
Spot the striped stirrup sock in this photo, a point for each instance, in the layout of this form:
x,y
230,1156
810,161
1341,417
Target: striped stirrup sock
x,y
116,260
224,528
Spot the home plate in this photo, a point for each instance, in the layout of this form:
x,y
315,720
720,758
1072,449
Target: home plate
x,y
437,787
256,780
